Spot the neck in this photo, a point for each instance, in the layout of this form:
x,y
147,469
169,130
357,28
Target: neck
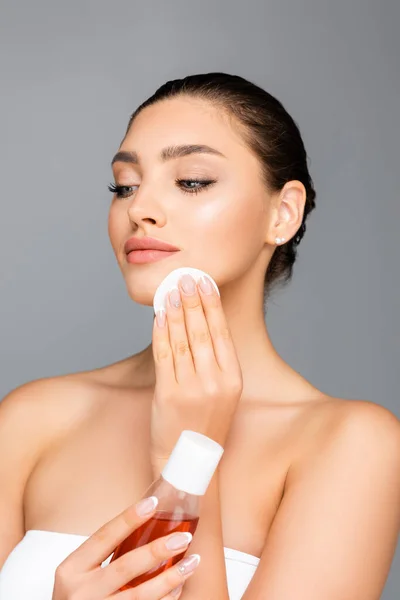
x,y
266,376
262,367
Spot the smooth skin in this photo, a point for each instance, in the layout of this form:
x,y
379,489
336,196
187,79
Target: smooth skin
x,y
80,575
198,376
308,482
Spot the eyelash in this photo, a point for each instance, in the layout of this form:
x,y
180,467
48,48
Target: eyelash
x,y
120,190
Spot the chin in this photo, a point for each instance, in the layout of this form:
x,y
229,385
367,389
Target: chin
x,y
141,296
142,289
142,281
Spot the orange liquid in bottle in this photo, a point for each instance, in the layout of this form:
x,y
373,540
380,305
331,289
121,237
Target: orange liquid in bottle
x,y
162,523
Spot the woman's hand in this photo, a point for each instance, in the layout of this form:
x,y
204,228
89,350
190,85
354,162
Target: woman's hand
x,y
198,375
81,577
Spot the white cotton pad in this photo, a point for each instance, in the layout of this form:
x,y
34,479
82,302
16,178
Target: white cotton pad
x,y
171,281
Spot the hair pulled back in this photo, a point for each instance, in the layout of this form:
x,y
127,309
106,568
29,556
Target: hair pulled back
x,y
269,132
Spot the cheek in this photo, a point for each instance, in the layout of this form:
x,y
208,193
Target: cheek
x,y
114,227
233,235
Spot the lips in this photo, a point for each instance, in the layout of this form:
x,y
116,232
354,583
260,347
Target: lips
x,y
148,243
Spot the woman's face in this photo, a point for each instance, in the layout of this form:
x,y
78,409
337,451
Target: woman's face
x,y
219,228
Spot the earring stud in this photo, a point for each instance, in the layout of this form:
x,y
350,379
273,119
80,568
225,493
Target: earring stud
x,y
279,240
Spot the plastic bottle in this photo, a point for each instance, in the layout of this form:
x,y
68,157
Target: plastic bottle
x,y
184,479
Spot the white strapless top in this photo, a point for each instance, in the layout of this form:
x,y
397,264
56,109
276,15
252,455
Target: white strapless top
x,y
28,572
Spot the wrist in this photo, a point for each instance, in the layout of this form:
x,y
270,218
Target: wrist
x,y
157,466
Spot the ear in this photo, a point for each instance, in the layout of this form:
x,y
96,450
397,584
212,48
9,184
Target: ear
x,y
288,211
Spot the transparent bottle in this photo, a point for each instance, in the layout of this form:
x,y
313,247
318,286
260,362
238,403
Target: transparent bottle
x,y
184,479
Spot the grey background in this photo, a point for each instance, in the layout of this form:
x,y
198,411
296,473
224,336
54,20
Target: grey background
x,y
71,74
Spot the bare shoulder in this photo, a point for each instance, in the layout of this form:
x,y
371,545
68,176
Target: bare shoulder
x,y
32,417
346,429
37,412
46,406
37,406
371,427
43,388
362,418
368,417
335,531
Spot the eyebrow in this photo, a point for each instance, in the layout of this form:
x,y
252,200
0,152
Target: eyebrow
x,y
169,153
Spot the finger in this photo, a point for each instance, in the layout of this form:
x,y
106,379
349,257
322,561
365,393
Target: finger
x,y
141,560
174,594
163,584
162,352
223,345
183,361
198,332
103,542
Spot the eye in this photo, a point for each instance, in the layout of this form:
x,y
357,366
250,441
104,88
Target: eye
x,y
199,185
121,191
195,186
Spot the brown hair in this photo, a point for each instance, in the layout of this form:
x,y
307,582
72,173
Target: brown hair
x,y
269,131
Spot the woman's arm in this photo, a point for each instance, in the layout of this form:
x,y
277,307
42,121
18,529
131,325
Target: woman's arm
x,y
209,580
335,533
31,418
20,425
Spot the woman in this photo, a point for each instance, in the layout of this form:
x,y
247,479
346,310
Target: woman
x,y
305,503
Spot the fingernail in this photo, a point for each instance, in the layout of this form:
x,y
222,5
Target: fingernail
x,y
179,540
175,298
146,506
161,317
176,591
206,285
188,284
188,565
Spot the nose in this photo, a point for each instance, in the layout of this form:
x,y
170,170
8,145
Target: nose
x,y
145,209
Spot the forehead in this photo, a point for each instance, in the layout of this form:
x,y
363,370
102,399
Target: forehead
x,y
182,120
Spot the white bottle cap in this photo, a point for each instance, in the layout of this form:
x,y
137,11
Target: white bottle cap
x,y
192,462
171,281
